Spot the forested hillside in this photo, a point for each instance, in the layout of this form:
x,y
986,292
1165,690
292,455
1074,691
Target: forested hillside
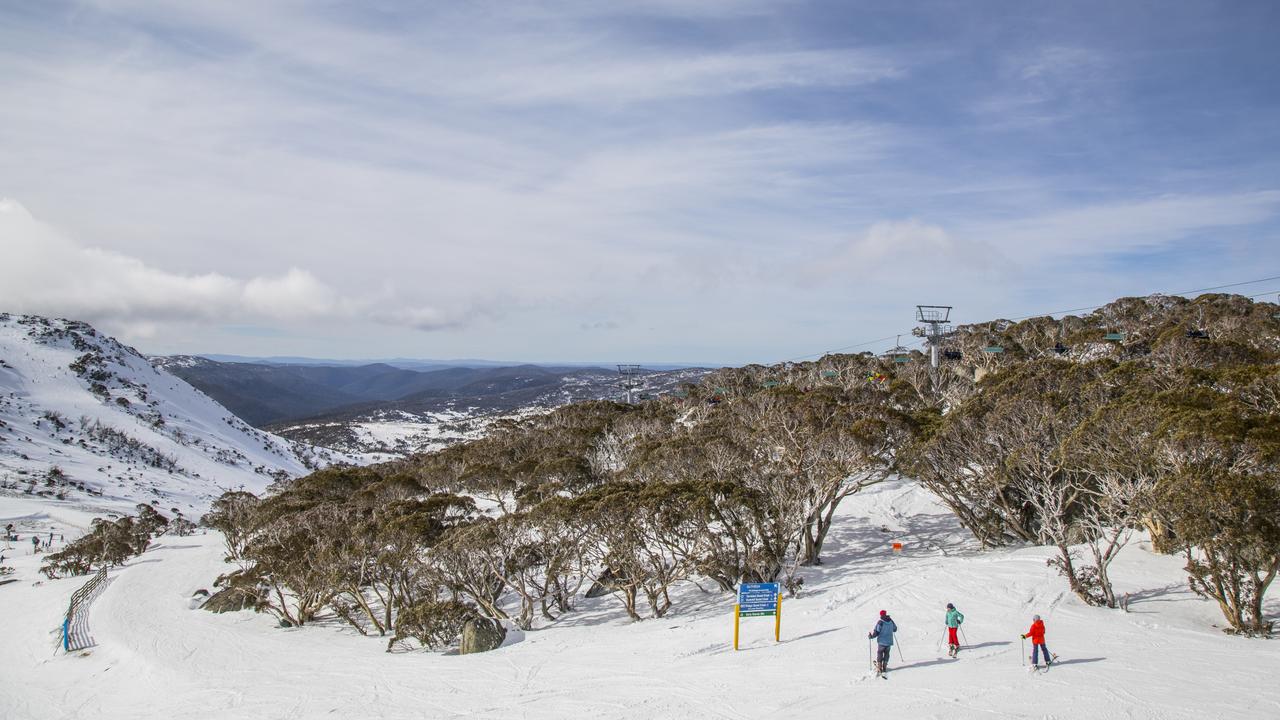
x,y
1155,415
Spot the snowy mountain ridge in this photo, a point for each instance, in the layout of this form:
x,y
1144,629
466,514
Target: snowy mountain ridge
x,y
86,420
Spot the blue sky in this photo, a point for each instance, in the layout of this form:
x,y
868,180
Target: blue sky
x,y
628,181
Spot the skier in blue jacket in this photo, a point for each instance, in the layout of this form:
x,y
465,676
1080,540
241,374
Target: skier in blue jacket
x,y
883,633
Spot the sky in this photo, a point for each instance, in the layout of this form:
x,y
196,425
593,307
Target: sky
x,y
637,180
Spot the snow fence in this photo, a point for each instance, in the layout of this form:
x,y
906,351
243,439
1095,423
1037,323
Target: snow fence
x,y
75,626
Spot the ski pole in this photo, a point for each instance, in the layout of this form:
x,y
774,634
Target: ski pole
x,y
871,652
938,647
1024,649
900,659
962,635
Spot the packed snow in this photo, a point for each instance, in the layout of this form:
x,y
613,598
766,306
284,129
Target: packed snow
x,y
156,657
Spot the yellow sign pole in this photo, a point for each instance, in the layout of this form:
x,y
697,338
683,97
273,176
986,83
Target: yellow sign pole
x,y
736,609
777,619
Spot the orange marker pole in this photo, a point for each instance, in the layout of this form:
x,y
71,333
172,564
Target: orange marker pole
x,y
736,609
777,619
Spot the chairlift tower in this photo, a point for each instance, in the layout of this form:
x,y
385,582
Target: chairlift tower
x,y
937,321
629,379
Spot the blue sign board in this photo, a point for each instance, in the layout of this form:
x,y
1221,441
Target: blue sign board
x,y
758,599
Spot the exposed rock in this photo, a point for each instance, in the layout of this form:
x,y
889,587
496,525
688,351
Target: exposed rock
x,y
605,584
239,591
198,598
481,635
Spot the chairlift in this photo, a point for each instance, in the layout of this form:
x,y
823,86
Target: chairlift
x,y
1197,332
1058,347
952,354
830,374
1115,336
898,353
993,349
770,384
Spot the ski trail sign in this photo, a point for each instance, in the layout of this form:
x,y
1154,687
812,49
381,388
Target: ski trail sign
x,y
758,600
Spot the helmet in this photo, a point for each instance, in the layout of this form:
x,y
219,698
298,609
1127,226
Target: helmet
x,y
1035,617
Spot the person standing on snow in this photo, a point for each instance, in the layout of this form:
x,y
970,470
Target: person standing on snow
x,y
883,633
953,620
1036,633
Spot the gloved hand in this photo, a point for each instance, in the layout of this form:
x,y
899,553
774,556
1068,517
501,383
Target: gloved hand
x,y
1024,637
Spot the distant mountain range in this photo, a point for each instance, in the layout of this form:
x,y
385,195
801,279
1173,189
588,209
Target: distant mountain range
x,y
278,393
433,364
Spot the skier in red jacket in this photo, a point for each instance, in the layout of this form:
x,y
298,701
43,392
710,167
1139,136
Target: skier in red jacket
x,y
1036,633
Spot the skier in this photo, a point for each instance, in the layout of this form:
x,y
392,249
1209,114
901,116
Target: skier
x,y
35,544
883,633
953,620
1036,633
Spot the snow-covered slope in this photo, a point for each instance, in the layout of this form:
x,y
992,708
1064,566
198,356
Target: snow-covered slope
x,y
86,422
157,658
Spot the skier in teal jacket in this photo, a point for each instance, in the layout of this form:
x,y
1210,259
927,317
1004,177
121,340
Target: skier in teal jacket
x,y
953,620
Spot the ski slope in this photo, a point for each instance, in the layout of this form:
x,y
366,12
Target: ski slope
x,y
157,658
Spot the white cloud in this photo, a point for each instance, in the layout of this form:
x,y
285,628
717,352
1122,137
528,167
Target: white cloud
x,y
46,273
1128,225
296,294
633,80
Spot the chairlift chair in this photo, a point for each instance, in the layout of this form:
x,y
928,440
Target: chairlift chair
x,y
952,354
993,349
830,374
898,353
1197,332
1115,336
1060,349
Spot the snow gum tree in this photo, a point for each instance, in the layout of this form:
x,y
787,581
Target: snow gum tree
x,y
1220,444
